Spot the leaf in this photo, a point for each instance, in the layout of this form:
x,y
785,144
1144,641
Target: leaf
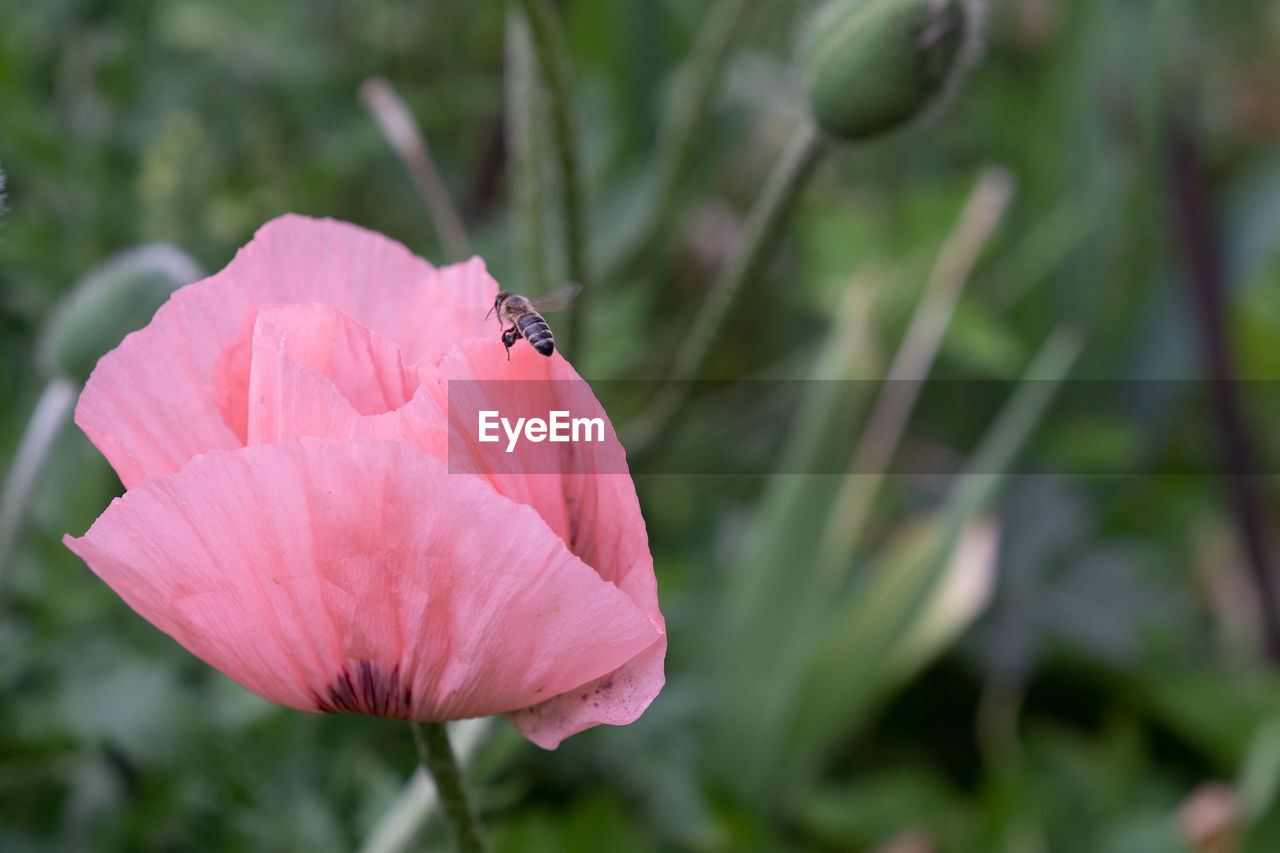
x,y
115,298
1219,712
926,587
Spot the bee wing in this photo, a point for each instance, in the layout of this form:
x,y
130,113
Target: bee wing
x,y
557,299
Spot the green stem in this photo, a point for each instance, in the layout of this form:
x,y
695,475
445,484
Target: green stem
x,y
525,106
419,799
910,367
764,228
553,60
687,113
436,756
405,137
51,414
987,464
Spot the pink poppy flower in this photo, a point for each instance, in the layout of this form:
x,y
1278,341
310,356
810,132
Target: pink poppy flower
x,y
294,517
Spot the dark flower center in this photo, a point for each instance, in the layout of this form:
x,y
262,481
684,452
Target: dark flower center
x,y
369,691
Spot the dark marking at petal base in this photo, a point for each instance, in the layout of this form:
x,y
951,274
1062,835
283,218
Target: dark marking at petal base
x,y
370,690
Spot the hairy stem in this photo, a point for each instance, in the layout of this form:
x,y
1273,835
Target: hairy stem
x,y
418,800
764,229
553,62
525,102
50,415
400,129
681,127
435,754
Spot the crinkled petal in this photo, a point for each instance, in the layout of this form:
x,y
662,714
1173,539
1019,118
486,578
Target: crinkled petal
x,y
285,398
615,699
151,404
590,503
361,365
361,576
589,500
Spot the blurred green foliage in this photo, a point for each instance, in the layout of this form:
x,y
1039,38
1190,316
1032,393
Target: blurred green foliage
x,y
1117,667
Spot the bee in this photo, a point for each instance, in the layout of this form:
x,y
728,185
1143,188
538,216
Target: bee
x,y
526,321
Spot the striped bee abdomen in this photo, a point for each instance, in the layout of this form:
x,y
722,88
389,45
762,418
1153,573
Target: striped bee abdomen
x,y
536,331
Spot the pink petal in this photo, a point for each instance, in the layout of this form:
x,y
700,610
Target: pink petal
x,y
343,575
615,699
290,400
590,504
590,500
294,401
313,340
151,404
419,423
286,398
471,293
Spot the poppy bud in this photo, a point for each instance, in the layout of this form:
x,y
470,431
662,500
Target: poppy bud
x,y
112,300
873,65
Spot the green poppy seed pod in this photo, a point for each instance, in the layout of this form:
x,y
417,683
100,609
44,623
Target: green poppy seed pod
x,y
874,65
114,299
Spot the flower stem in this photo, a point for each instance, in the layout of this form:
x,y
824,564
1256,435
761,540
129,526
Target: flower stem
x,y
435,754
553,60
682,126
402,132
764,228
910,368
50,415
526,131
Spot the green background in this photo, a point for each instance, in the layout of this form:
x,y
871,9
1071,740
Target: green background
x,y
1118,667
